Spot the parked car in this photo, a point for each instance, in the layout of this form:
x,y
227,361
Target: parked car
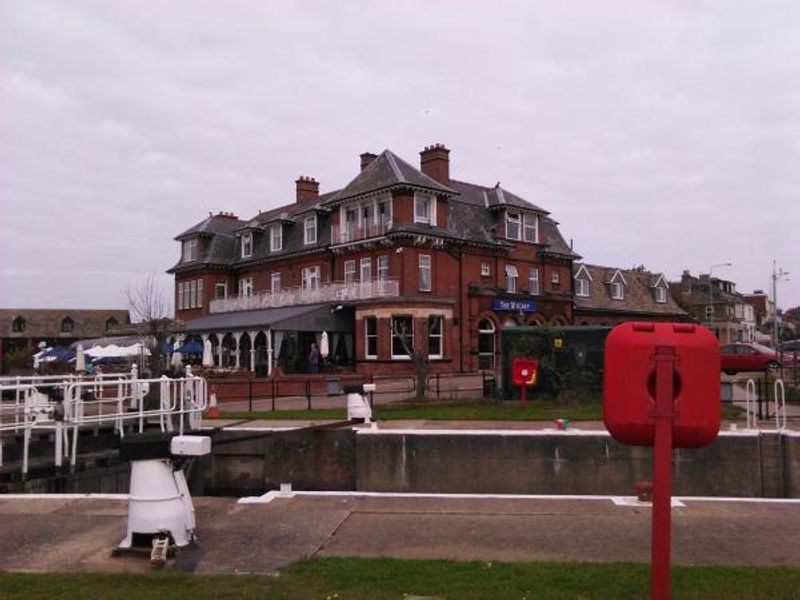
x,y
748,357
792,346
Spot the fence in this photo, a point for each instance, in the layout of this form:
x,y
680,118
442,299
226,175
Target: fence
x,y
309,393
61,407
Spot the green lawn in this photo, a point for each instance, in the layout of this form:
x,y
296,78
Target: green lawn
x,y
542,410
377,579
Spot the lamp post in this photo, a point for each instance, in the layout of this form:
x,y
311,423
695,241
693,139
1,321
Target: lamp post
x,y
777,275
711,288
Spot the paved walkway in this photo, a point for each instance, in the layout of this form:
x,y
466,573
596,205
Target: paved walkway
x,y
62,534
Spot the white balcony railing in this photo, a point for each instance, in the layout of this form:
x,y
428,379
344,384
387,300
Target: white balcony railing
x,y
353,232
326,292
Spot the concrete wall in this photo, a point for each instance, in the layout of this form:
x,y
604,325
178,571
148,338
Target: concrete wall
x,y
737,464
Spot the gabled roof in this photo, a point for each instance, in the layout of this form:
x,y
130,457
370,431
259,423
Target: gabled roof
x,y
585,271
387,171
639,298
492,197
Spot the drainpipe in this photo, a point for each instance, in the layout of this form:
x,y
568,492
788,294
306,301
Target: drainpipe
x,y
461,296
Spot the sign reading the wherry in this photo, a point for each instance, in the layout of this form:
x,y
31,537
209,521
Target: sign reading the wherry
x,y
528,306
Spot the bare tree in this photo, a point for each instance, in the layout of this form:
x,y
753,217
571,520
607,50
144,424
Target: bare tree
x,y
150,307
417,352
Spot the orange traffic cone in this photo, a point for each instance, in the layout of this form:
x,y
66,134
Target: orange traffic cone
x,y
213,410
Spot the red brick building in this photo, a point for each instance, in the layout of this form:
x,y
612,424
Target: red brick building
x,y
448,262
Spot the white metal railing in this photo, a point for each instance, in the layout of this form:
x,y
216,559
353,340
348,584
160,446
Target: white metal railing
x,y
750,399
779,393
353,232
326,292
62,407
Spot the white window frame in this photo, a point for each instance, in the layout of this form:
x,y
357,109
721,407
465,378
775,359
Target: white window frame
x,y
365,269
200,291
193,293
555,277
402,356
661,295
428,216
368,336
530,225
439,335
310,230
180,295
425,273
491,331
349,271
247,244
511,279
533,281
189,250
486,269
383,267
276,238
275,282
582,287
246,287
311,278
617,290
513,219
224,287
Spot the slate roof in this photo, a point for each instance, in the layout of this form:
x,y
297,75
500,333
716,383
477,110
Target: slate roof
x,y
46,322
387,171
638,297
471,217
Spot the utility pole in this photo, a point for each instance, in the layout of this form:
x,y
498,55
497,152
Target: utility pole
x,y
777,275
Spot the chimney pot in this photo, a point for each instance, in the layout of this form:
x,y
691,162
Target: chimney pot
x,y
366,159
307,188
434,161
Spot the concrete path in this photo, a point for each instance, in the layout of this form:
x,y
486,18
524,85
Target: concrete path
x,y
62,534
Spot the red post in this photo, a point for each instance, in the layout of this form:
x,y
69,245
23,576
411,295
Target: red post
x,y
664,415
522,400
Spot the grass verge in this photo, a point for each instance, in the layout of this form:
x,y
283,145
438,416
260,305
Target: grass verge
x,y
378,579
546,410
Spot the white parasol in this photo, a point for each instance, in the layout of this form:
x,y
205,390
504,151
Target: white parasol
x,y
208,357
80,360
177,357
324,348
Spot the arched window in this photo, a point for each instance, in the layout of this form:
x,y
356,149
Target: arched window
x,y
486,343
111,323
67,325
18,326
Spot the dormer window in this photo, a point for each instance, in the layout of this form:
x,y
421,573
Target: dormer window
x,y
617,286
247,244
582,287
530,228
111,323
424,209
189,250
67,325
310,230
661,294
512,225
18,326
276,238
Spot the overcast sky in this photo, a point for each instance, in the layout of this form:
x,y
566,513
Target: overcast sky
x,y
663,134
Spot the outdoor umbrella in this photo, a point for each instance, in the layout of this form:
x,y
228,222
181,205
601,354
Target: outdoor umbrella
x,y
324,348
80,360
208,358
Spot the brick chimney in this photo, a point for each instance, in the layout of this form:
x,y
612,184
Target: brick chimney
x,y
434,161
307,188
366,159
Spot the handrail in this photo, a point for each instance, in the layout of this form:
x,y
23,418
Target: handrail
x,y
750,396
780,404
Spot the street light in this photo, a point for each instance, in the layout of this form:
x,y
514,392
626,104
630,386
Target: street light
x,y
711,288
777,275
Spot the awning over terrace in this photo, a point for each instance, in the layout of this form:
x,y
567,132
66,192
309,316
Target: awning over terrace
x,y
311,317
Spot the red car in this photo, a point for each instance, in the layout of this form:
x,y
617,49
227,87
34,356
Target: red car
x,y
748,357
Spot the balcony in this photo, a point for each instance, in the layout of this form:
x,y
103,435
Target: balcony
x,y
327,292
355,232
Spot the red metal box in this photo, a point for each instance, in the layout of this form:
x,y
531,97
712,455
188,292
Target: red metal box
x,y
524,371
629,383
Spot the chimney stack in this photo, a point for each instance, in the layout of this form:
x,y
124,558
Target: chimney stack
x,y
366,159
435,163
307,188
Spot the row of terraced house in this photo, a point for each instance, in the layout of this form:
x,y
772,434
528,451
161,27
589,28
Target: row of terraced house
x,y
399,257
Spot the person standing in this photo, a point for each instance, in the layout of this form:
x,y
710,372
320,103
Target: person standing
x,y
313,359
